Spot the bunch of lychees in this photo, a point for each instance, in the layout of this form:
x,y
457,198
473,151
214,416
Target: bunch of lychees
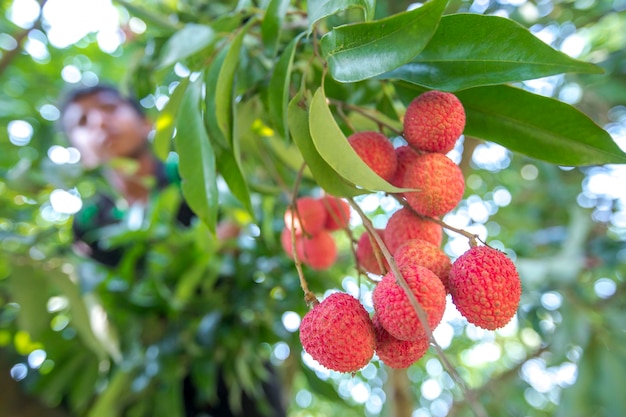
x,y
483,282
308,227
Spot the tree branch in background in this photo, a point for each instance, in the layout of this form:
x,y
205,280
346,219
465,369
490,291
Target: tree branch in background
x,y
9,56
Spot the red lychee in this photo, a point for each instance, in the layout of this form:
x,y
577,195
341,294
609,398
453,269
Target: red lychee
x,y
318,251
423,253
367,258
396,353
395,311
485,287
440,183
404,225
376,151
309,217
338,212
434,121
338,333
405,156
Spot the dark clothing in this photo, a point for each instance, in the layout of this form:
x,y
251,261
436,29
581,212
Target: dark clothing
x,y
101,212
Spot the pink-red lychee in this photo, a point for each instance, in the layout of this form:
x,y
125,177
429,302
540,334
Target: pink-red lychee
x,y
366,257
439,182
309,216
338,212
405,156
404,225
376,151
394,309
396,353
423,253
485,287
318,251
434,121
339,333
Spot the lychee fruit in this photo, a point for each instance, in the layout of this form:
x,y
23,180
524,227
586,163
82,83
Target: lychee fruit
x,y
423,253
318,251
394,309
396,353
338,212
405,156
485,287
439,182
309,216
404,225
376,151
366,256
338,333
434,121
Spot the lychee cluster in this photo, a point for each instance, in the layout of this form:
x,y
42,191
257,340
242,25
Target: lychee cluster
x,y
483,283
311,224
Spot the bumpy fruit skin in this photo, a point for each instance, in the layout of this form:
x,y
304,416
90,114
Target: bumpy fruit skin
x,y
338,213
423,253
310,217
376,151
405,156
367,258
396,353
434,121
404,225
318,251
338,333
485,287
394,310
440,183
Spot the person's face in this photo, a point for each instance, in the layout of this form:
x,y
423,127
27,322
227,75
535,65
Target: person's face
x,y
103,126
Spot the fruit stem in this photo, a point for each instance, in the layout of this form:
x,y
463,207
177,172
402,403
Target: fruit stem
x,y
309,297
421,314
473,238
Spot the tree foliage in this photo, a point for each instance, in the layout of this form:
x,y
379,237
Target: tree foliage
x,y
259,98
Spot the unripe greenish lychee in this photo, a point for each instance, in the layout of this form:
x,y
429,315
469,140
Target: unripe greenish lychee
x,y
404,225
338,212
423,253
338,333
396,353
309,218
376,151
434,121
318,251
366,257
439,182
405,156
394,309
485,287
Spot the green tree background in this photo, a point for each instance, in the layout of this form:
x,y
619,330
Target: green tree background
x,y
545,182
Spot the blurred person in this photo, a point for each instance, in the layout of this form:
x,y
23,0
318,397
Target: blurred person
x,y
107,127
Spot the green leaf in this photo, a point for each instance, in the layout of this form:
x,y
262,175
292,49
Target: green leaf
x,y
210,117
166,120
278,97
363,50
110,402
189,40
333,146
151,18
197,160
229,166
319,9
326,177
467,51
533,125
224,89
33,316
272,22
